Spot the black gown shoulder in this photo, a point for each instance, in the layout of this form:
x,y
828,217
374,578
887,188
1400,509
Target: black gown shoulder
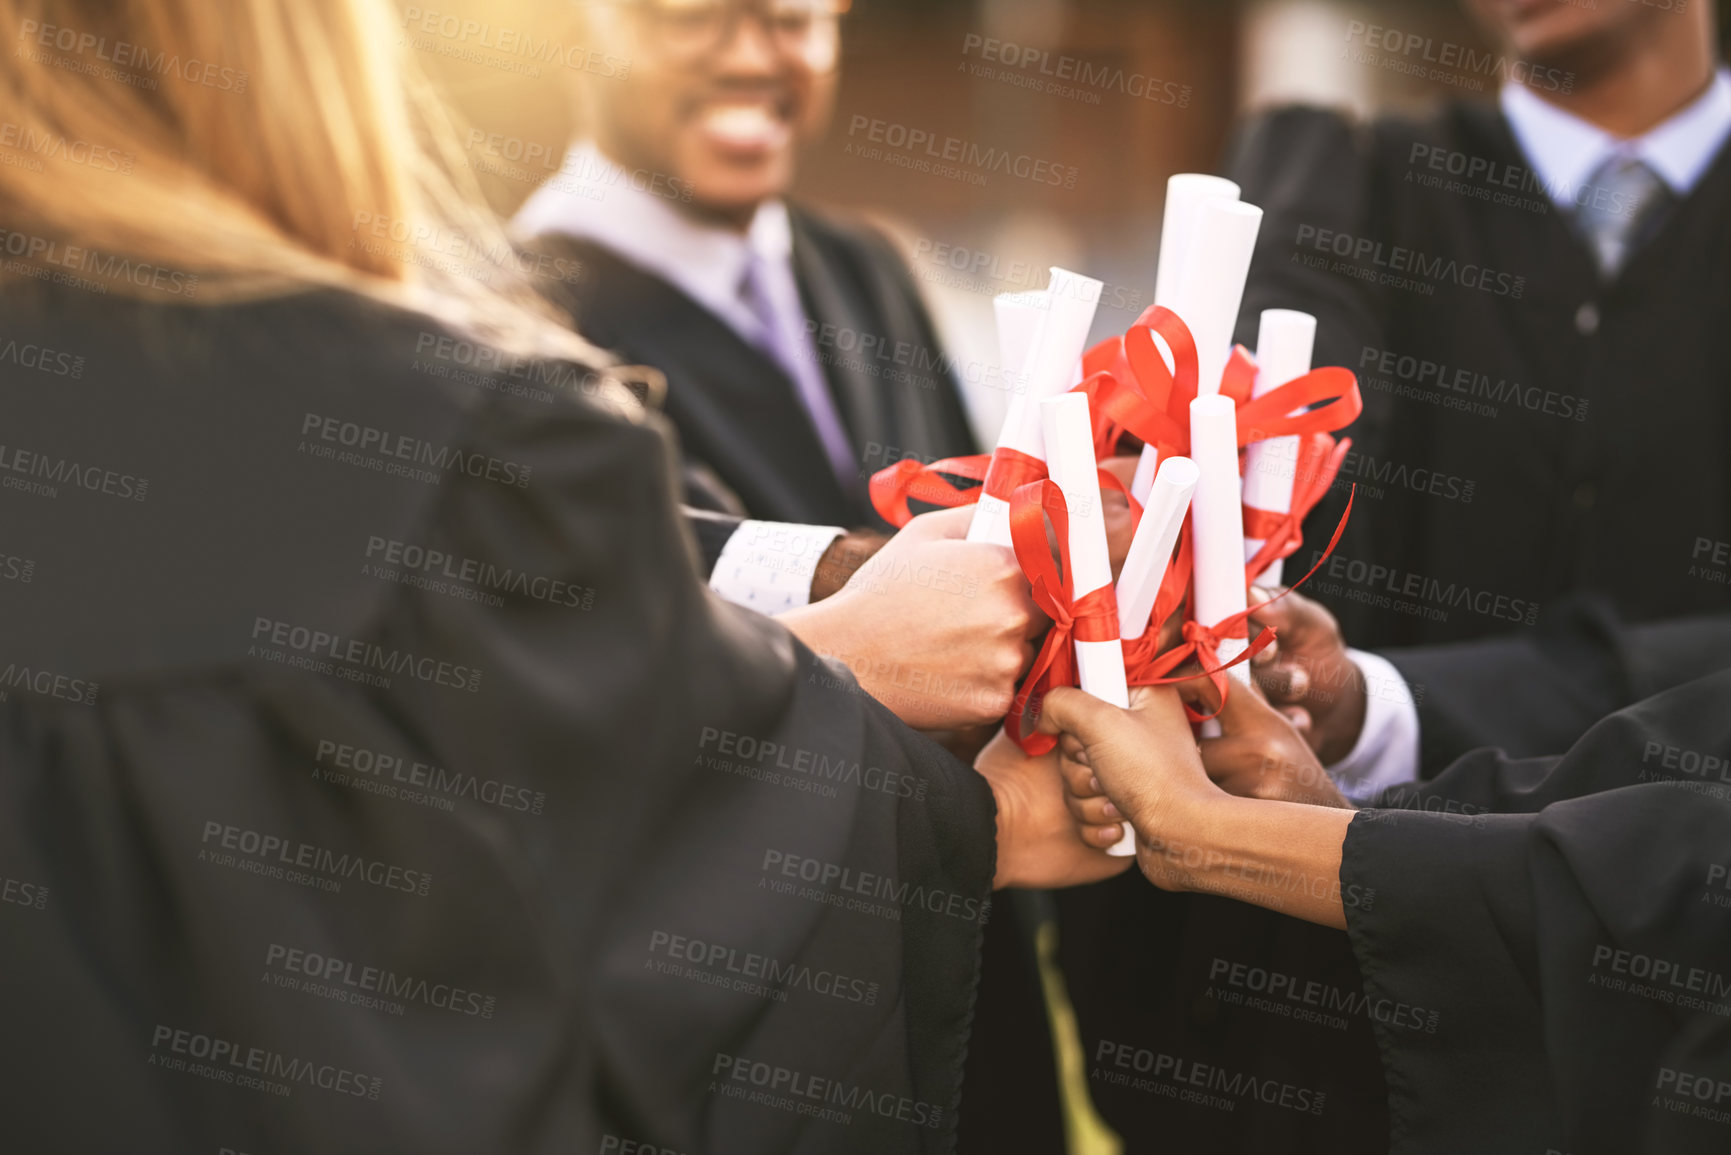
x,y
376,774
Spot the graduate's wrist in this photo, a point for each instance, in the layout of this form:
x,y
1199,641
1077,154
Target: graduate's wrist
x,y
1283,856
824,627
845,555
1177,837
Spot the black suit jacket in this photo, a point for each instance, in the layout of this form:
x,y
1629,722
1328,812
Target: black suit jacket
x,y
750,448
1541,456
1530,431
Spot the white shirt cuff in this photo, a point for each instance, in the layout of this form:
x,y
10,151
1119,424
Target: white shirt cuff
x,y
767,566
1386,753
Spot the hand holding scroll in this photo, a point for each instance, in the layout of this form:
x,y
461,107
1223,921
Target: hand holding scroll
x,y
1308,674
936,628
1038,843
1190,834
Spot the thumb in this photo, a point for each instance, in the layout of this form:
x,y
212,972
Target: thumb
x,y
1071,711
941,524
1160,703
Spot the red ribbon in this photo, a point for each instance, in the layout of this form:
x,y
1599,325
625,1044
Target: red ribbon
x,y
1010,470
1092,617
892,486
1002,473
1282,533
1143,666
1238,378
1273,414
1132,391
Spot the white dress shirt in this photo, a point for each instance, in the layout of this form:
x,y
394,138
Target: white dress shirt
x,y
766,566
1565,151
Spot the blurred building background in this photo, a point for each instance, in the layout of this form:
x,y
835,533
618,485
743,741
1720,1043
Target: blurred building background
x,y
1113,96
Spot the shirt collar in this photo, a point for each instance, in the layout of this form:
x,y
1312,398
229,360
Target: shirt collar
x,y
1681,149
1566,150
595,199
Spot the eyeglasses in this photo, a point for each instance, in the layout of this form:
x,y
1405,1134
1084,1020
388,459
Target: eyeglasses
x,y
804,30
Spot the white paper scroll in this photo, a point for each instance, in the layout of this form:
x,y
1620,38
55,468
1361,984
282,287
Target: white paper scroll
x,y
1070,461
1186,192
1053,354
1151,549
1284,343
1213,286
1208,288
1019,317
1213,283
1217,521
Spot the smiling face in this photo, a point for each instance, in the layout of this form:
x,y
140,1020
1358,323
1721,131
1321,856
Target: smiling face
x,y
1565,34
722,116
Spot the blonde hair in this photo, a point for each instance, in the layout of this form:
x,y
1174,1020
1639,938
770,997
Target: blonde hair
x,y
251,148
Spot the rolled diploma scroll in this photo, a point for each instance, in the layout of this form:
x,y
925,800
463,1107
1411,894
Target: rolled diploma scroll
x,y
1145,565
1186,193
1213,283
1284,342
1055,350
1217,527
1021,317
1151,548
1069,434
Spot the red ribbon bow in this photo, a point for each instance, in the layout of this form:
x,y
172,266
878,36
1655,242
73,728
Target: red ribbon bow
x,y
1287,410
1002,473
1092,617
1144,666
1281,534
892,486
1132,391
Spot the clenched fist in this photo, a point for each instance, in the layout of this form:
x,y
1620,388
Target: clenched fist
x,y
937,628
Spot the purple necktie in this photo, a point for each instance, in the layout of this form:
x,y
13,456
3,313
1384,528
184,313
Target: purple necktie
x,y
773,298
1627,197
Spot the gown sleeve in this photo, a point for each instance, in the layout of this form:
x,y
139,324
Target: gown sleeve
x,y
385,779
1537,691
768,892
1552,938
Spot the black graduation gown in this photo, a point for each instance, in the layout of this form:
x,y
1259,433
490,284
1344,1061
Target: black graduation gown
x,y
1185,1048
376,774
1538,691
1549,941
738,414
1529,431
749,449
